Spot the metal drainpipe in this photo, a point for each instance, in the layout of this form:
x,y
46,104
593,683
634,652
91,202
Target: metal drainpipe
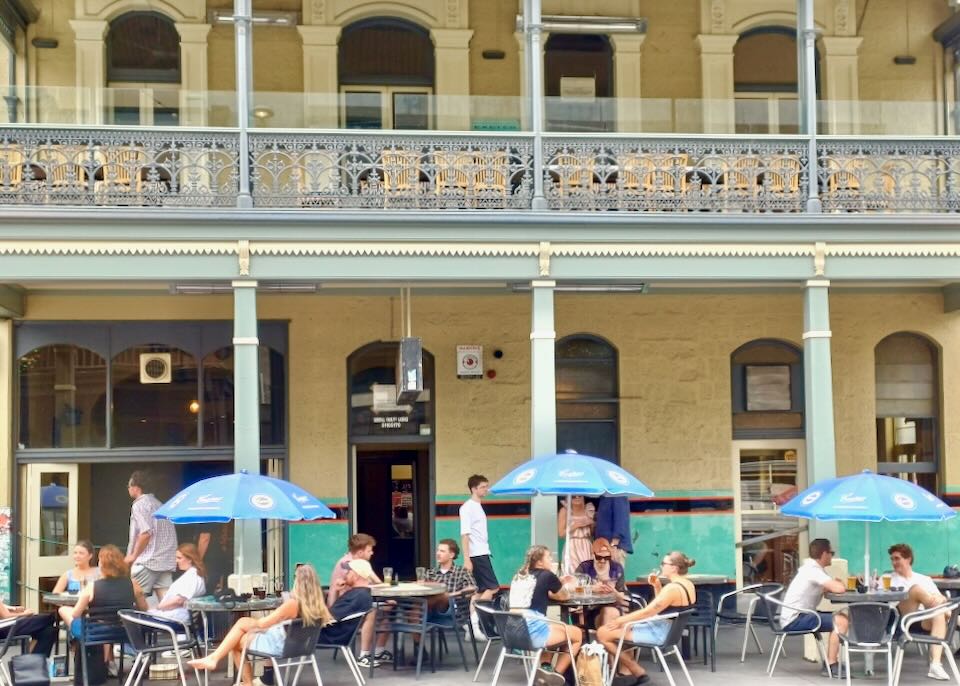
x,y
242,24
809,93
532,29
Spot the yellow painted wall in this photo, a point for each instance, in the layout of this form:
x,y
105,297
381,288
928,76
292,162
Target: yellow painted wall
x,y
493,24
670,58
674,371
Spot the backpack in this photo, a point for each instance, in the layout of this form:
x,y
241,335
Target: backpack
x,y
592,665
521,591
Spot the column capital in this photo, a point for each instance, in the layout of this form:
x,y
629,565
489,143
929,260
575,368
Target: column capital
x,y
193,33
451,38
319,35
543,283
841,46
627,42
817,283
716,44
89,29
243,284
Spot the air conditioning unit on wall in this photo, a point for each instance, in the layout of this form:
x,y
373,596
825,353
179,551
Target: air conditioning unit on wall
x,y
155,368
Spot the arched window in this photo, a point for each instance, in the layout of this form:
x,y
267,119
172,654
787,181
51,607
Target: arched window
x,y
386,74
588,397
908,408
143,47
766,381
218,397
765,81
62,398
373,394
155,398
578,80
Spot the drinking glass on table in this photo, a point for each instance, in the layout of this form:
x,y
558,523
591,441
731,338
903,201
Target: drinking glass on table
x,y
421,574
388,575
851,583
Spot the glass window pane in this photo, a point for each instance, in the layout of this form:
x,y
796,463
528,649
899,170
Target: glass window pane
x,y
363,110
54,513
789,114
63,391
584,348
155,414
598,439
218,397
768,387
585,381
373,393
569,410
411,111
752,115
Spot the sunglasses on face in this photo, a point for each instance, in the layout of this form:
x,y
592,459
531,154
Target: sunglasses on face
x,y
602,558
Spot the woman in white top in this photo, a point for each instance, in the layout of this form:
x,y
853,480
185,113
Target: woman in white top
x,y
83,571
921,593
189,585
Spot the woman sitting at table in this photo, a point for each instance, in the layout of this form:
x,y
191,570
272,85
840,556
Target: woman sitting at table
x,y
607,577
678,592
267,634
539,564
113,589
83,571
188,585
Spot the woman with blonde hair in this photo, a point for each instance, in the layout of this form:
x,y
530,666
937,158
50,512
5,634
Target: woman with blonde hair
x,y
543,634
188,585
267,634
678,592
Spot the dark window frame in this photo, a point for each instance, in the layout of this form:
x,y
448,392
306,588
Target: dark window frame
x,y
738,390
142,75
613,362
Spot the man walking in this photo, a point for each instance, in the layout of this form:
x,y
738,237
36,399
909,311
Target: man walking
x,y
474,541
152,549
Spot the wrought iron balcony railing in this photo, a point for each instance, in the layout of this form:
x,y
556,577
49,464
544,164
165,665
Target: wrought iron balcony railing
x,y
600,172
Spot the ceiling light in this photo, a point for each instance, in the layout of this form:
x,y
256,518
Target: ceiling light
x,y
632,287
262,113
582,24
225,288
260,17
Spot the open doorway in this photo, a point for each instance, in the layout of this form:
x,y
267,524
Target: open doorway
x,y
393,506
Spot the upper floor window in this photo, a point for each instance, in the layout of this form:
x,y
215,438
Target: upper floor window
x,y
218,397
766,383
143,47
908,408
588,397
578,82
765,81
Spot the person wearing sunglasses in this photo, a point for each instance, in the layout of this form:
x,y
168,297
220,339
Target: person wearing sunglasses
x,y
606,576
678,592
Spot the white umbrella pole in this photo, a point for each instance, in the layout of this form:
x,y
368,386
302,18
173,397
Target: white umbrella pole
x,y
866,554
566,541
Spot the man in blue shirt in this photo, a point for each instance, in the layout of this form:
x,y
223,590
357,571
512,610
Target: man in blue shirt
x,y
613,524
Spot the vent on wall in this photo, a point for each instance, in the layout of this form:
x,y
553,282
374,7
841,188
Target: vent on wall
x,y
155,368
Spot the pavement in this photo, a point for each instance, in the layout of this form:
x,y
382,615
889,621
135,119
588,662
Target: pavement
x,y
791,669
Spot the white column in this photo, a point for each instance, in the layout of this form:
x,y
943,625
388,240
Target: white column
x,y
543,406
842,80
246,414
91,69
716,77
320,80
452,80
7,361
193,73
626,73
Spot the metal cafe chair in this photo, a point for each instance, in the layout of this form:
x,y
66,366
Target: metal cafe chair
x,y
100,626
489,627
345,646
774,608
729,612
454,622
870,632
299,649
669,646
910,632
517,644
150,638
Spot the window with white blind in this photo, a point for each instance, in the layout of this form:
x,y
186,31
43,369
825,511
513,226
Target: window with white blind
x,y
908,408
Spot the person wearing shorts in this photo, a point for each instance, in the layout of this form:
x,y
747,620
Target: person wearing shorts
x,y
152,548
474,540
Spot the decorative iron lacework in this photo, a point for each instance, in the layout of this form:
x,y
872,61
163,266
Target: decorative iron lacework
x,y
890,176
430,171
658,175
180,168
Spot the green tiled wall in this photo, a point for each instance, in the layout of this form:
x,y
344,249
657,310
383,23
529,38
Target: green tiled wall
x,y
935,544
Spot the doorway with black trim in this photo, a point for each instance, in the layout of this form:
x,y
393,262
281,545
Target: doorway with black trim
x,y
391,446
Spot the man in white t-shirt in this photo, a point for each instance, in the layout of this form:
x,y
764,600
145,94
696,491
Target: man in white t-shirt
x,y
806,591
474,541
922,593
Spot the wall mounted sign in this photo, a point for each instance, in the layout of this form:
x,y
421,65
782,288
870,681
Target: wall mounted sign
x,y
469,361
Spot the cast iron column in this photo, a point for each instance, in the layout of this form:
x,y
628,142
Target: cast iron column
x,y
818,394
807,45
543,407
246,414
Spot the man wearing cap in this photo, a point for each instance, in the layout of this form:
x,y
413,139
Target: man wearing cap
x,y
355,598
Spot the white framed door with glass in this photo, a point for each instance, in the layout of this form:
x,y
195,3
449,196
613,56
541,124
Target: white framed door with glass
x,y
386,107
768,472
49,525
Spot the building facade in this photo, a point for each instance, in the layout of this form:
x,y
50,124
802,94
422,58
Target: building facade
x,y
688,237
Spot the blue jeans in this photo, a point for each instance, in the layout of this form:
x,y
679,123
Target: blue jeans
x,y
808,622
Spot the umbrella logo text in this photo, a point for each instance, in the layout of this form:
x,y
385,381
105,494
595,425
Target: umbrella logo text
x,y
618,477
851,498
904,501
811,498
524,476
176,501
261,501
208,499
569,474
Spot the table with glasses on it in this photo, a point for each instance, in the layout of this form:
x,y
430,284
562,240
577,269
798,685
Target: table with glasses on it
x,y
412,589
947,586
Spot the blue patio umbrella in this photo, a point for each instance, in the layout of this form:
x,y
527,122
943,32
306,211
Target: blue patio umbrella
x,y
570,473
54,495
242,496
867,497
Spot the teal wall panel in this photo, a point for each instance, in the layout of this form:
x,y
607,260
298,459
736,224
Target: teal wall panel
x,y
509,540
318,543
935,544
707,538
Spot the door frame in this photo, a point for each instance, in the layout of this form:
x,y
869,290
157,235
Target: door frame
x,y
34,564
736,446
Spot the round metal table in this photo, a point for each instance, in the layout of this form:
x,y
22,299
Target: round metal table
x,y
414,589
848,597
947,584
60,599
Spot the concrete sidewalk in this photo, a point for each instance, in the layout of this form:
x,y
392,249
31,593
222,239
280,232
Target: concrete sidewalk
x,y
791,669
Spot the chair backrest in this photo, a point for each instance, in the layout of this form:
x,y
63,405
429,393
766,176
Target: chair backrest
x,y
573,171
453,169
122,165
485,610
491,171
11,167
513,631
871,622
704,608
138,631
401,169
352,623
301,640
461,608
772,607
678,625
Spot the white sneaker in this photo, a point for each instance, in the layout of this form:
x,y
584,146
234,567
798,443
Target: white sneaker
x,y
113,669
258,682
937,672
478,632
